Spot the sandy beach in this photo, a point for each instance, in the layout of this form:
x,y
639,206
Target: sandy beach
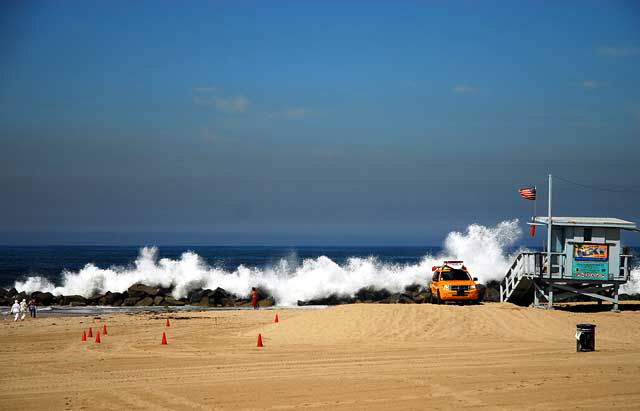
x,y
493,356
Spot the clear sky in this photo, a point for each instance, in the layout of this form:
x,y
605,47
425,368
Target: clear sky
x,y
310,122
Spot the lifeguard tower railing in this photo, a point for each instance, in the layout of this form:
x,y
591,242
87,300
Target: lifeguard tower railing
x,y
530,271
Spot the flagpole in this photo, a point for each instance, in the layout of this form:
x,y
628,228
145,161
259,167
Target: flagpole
x,y
549,224
535,203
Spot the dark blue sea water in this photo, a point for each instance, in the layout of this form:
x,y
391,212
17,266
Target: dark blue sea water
x,y
18,262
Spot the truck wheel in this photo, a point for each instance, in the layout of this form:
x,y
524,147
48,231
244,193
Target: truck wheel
x,y
438,300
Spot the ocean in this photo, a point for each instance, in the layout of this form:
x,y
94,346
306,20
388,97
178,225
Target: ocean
x,y
17,263
288,273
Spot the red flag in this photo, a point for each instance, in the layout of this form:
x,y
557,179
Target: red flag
x,y
532,230
528,193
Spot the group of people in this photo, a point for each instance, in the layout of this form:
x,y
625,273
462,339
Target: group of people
x,y
20,309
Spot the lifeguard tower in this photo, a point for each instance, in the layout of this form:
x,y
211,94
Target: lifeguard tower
x,y
584,256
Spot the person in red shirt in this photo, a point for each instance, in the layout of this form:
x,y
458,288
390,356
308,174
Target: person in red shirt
x,y
254,298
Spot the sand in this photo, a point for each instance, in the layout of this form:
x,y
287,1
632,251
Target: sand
x,y
413,357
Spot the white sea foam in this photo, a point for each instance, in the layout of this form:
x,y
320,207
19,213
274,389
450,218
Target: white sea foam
x,y
483,250
633,285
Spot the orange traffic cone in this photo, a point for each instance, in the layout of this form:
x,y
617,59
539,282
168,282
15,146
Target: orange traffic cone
x,y
90,333
260,340
164,338
104,329
84,336
167,324
276,320
98,337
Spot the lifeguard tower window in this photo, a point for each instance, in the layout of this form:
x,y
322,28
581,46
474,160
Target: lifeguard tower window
x,y
587,234
454,275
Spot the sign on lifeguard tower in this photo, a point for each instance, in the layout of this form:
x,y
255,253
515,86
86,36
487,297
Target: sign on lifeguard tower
x,y
590,262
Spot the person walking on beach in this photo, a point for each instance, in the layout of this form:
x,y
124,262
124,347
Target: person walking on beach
x,y
23,308
33,306
15,309
254,298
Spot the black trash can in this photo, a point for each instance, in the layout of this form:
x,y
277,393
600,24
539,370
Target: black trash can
x,y
585,337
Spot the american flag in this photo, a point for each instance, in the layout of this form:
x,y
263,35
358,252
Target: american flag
x,y
528,193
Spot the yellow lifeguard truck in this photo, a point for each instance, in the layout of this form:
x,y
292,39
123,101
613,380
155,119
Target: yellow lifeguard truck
x,y
452,282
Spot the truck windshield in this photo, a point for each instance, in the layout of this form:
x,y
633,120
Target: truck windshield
x,y
454,275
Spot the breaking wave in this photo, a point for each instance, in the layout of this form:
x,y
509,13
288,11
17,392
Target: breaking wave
x,y
483,249
633,285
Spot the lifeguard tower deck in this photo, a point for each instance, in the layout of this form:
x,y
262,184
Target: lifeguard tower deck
x,y
585,257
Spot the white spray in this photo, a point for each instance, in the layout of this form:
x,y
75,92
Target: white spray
x,y
483,250
633,285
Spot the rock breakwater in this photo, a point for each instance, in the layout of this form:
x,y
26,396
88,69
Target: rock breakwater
x,y
144,295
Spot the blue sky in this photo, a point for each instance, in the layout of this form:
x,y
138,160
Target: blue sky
x,y
310,122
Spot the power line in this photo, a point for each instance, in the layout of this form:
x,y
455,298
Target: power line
x,y
596,188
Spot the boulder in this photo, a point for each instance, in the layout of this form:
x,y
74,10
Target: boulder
x,y
169,300
333,299
418,293
5,297
218,295
165,291
110,298
130,301
401,299
228,302
158,300
244,303
216,298
77,304
142,290
206,298
21,296
262,293
74,300
412,288
493,284
423,297
241,302
491,294
482,289
267,302
146,301
629,297
42,299
195,296
370,294
95,300
405,299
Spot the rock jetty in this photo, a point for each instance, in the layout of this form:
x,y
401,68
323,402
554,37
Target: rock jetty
x,y
145,295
